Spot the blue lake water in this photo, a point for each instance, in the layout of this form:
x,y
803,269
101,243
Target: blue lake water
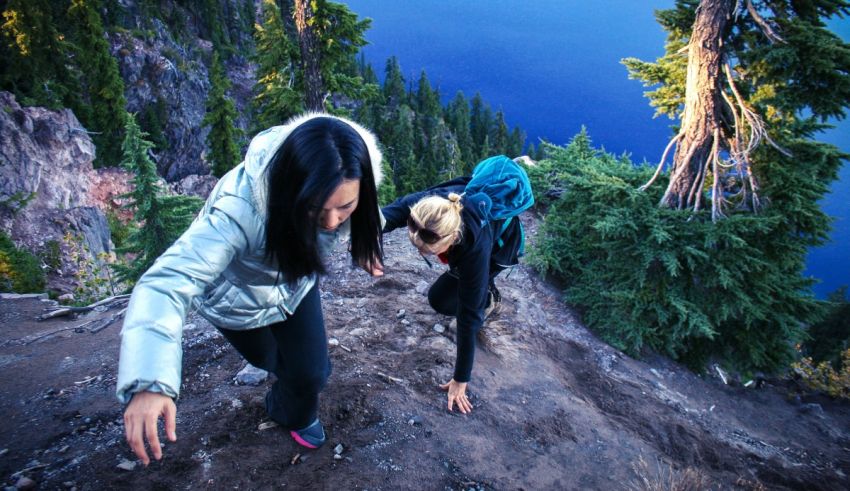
x,y
553,66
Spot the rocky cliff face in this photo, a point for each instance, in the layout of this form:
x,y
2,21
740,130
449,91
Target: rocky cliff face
x,y
172,75
45,177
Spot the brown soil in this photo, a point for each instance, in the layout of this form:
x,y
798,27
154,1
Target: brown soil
x,y
555,408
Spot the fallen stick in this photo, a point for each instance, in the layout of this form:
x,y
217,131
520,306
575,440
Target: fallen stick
x,y
108,321
391,378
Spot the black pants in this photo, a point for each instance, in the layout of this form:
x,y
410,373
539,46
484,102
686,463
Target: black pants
x,y
296,351
443,294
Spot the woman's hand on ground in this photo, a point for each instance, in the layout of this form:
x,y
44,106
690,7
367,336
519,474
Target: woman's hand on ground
x,y
377,268
140,423
457,395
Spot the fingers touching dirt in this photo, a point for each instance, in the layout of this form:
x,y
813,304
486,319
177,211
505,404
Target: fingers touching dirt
x,y
457,395
140,423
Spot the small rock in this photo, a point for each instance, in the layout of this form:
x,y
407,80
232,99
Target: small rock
x,y
422,287
405,322
68,297
401,313
337,456
251,375
24,483
127,465
655,372
415,421
190,326
236,404
69,484
295,458
358,331
439,328
812,408
362,302
333,342
266,425
338,449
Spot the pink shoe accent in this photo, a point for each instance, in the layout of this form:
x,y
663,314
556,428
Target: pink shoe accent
x,y
301,441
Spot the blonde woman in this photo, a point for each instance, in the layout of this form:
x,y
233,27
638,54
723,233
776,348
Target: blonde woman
x,y
442,222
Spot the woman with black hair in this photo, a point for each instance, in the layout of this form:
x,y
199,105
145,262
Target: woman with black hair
x,y
249,263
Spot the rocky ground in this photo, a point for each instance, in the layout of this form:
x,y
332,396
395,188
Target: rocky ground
x,y
555,408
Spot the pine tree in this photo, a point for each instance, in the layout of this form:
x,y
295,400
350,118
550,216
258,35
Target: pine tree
x,y
427,100
394,91
499,134
458,119
481,122
314,87
516,142
750,75
221,113
277,94
341,36
103,83
35,57
163,218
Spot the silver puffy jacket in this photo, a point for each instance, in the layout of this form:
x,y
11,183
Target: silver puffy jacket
x,y
217,266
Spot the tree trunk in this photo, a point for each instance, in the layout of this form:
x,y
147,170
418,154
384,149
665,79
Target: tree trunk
x,y
701,121
313,86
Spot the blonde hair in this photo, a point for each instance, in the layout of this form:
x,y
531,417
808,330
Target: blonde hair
x,y
441,216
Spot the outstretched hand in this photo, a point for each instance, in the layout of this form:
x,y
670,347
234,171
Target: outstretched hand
x,y
457,395
140,423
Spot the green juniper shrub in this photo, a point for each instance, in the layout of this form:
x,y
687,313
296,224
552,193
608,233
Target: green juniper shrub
x,y
20,271
669,280
831,336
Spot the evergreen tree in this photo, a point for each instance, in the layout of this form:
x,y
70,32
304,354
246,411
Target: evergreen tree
x,y
458,119
427,100
152,121
103,83
164,218
481,122
831,336
756,74
516,142
214,24
221,113
341,36
314,87
35,55
409,176
277,95
499,135
394,91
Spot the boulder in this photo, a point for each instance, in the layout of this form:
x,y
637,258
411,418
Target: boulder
x,y
46,176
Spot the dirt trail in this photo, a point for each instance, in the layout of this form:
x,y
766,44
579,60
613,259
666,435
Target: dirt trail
x,y
555,408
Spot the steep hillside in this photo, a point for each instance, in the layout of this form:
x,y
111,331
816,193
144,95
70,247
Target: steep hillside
x,y
554,407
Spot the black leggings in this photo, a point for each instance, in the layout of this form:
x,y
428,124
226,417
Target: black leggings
x,y
443,294
296,351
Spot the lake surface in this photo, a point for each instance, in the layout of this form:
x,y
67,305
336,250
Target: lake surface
x,y
553,66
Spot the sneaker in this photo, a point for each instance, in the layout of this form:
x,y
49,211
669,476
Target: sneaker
x,y
312,436
494,304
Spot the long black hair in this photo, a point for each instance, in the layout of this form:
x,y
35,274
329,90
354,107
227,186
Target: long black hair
x,y
303,173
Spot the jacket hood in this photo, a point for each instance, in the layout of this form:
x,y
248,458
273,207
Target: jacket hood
x,y
265,144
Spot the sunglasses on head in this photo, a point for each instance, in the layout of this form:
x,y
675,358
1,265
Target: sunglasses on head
x,y
427,236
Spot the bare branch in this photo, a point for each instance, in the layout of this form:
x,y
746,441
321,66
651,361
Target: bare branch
x,y
661,164
716,207
765,26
